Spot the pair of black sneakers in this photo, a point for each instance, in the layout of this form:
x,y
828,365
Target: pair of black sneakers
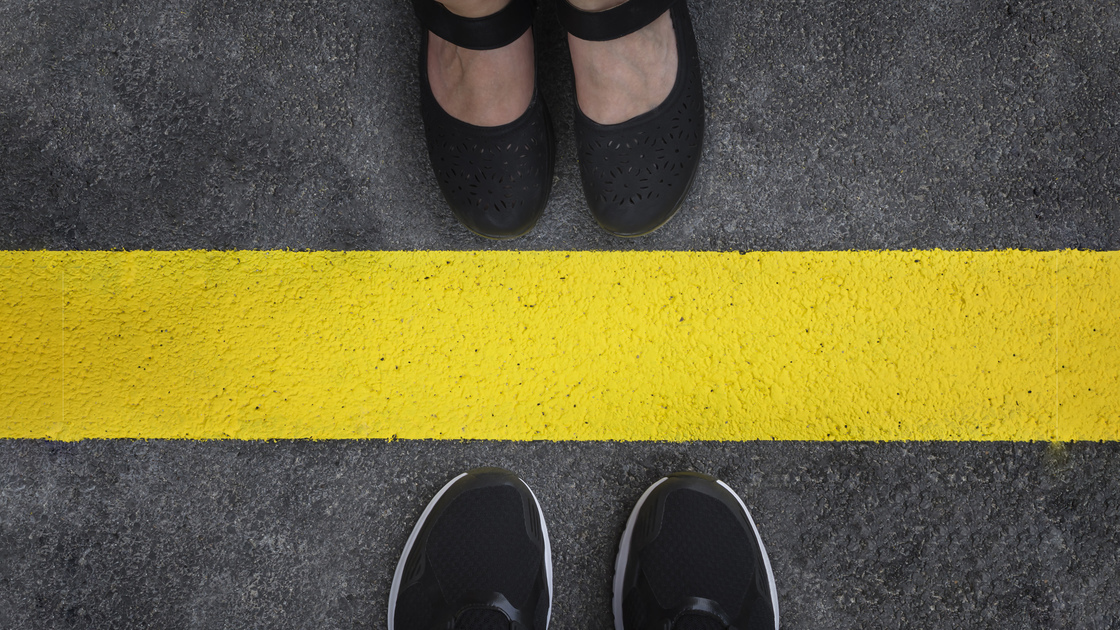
x,y
479,559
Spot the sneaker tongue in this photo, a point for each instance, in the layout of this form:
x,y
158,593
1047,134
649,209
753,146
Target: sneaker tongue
x,y
695,621
482,619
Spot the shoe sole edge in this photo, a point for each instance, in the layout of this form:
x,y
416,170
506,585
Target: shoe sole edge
x,y
394,590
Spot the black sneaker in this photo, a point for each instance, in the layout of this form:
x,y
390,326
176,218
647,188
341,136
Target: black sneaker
x,y
691,559
478,559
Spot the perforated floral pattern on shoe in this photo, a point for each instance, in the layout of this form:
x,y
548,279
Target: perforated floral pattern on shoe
x,y
496,179
636,174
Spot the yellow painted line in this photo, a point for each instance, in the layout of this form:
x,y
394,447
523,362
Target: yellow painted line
x,y
921,345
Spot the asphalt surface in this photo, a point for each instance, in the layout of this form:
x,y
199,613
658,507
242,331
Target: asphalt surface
x,y
831,125
305,535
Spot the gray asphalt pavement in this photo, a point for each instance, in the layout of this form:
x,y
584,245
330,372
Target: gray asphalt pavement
x,y
294,124
305,535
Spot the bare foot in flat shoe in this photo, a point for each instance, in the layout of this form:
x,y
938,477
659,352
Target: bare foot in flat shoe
x,y
482,87
619,79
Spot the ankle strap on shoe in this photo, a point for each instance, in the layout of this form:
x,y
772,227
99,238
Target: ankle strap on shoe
x,y
484,33
601,26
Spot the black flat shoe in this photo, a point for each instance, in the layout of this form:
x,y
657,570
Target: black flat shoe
x,y
478,559
691,559
637,173
496,179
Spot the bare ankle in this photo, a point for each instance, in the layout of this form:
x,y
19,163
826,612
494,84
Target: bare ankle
x,y
625,77
482,87
595,5
474,8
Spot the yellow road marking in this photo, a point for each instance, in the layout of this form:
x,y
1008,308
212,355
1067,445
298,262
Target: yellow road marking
x,y
920,345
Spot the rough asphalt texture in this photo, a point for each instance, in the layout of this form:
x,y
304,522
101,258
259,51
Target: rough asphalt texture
x,y
832,125
958,124
305,535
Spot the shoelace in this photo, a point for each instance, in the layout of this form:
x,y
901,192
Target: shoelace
x,y
697,622
482,619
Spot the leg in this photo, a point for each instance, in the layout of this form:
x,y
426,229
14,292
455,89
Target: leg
x,y
619,79
481,87
639,119
488,133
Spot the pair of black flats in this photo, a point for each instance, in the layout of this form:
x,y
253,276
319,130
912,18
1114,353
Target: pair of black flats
x,y
480,559
635,174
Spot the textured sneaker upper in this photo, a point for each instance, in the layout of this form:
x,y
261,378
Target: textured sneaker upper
x,y
694,560
697,622
479,560
482,619
480,543
701,552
